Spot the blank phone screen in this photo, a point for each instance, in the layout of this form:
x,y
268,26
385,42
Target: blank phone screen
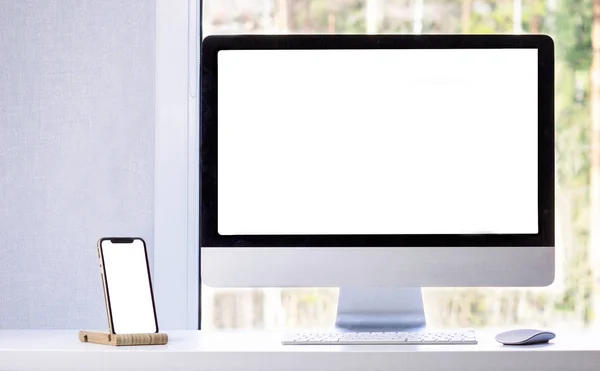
x,y
128,286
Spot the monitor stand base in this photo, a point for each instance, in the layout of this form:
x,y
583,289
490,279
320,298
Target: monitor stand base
x,y
380,309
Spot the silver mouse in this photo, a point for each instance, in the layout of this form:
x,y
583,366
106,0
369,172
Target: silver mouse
x,y
525,337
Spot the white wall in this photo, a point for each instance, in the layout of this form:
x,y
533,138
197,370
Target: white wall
x,y
77,114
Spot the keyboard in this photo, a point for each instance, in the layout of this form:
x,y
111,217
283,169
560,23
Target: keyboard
x,y
382,338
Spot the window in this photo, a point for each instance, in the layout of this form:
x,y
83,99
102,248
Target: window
x,y
572,299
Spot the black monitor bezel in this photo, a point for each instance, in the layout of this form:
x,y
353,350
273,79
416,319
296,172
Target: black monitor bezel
x,y
209,236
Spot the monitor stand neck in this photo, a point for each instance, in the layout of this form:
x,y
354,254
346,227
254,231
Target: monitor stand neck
x,y
380,309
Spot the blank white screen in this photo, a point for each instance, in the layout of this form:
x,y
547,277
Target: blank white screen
x,y
377,141
128,287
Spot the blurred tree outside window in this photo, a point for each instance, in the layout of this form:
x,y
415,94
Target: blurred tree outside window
x,y
573,300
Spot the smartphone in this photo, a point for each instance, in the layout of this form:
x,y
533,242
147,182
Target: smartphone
x,y
127,285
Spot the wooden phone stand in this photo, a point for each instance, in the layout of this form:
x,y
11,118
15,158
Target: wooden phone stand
x,y
108,338
122,339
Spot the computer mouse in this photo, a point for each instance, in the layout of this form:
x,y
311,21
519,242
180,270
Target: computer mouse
x,y
525,337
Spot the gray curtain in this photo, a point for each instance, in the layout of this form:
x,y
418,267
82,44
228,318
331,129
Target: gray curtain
x,y
76,151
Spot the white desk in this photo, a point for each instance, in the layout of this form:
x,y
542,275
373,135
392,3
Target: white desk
x,y
215,351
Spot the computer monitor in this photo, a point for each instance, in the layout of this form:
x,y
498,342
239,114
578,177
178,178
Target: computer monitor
x,y
377,164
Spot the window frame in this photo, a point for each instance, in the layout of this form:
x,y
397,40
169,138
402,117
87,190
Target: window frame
x,y
176,183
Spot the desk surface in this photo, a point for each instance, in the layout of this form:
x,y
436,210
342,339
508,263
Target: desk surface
x,y
214,351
